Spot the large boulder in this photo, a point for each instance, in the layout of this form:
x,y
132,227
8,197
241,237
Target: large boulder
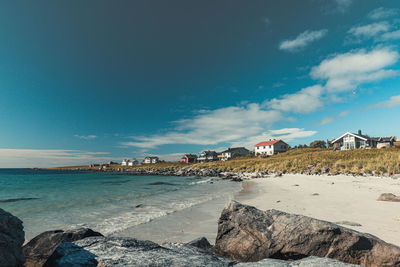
x,y
116,252
39,249
247,234
12,238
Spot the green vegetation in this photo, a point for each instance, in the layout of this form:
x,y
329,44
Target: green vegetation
x,y
305,160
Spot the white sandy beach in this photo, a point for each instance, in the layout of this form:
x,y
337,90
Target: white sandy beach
x,y
332,198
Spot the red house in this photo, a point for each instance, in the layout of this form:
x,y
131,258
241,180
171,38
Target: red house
x,y
189,158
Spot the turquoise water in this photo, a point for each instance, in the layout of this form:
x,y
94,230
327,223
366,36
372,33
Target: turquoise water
x,y
107,202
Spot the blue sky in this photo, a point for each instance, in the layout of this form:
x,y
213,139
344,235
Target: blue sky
x,y
89,81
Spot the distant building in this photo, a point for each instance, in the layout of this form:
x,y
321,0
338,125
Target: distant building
x,y
189,158
151,160
350,141
270,147
129,162
208,155
231,153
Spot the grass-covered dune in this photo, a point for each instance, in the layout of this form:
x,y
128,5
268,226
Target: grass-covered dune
x,y
305,160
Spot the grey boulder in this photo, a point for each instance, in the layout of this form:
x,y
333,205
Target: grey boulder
x,y
12,237
39,249
247,234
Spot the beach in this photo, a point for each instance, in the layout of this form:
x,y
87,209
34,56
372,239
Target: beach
x,y
347,200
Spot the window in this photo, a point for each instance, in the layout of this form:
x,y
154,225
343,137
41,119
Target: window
x,y
269,146
264,147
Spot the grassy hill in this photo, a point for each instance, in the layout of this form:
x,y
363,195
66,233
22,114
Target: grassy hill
x,y
316,160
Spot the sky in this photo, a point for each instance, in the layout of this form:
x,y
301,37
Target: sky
x,y
91,81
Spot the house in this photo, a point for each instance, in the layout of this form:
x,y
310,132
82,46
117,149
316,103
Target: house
x,y
151,160
349,141
231,153
385,142
124,162
133,162
208,155
189,158
271,147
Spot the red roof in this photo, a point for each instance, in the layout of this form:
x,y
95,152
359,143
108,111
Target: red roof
x,y
268,143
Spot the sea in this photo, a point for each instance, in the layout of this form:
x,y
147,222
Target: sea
x,y
104,201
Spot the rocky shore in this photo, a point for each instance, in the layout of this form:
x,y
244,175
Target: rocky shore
x,y
246,237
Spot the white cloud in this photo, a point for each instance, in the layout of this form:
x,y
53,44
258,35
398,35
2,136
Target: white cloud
x,y
394,101
382,12
302,40
286,134
86,137
213,127
330,119
370,30
305,101
390,36
345,72
13,158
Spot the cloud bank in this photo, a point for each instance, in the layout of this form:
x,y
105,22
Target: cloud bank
x,y
13,158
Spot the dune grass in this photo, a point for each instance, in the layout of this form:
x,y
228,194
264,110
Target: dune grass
x,y
369,161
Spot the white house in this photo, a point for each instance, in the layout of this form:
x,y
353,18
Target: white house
x,y
231,153
270,147
151,160
208,155
129,162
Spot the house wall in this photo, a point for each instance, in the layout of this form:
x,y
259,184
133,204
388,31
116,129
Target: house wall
x,y
279,147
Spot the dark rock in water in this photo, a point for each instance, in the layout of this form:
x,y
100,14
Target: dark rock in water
x,y
248,234
17,199
12,238
139,206
114,251
201,242
42,246
161,183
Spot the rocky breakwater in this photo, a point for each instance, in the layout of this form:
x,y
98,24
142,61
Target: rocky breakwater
x,y
12,237
204,172
247,234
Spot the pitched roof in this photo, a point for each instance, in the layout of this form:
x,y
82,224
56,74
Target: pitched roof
x,y
268,143
234,149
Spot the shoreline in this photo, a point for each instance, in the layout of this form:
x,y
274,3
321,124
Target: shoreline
x,y
349,201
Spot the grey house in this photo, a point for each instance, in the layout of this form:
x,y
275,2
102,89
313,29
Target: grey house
x,y
231,153
357,140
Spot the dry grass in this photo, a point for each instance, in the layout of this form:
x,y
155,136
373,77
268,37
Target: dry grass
x,y
370,161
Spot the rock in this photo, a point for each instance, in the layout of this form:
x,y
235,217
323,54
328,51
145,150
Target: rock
x,y
306,262
315,194
114,251
201,243
12,238
39,249
248,234
388,197
348,223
